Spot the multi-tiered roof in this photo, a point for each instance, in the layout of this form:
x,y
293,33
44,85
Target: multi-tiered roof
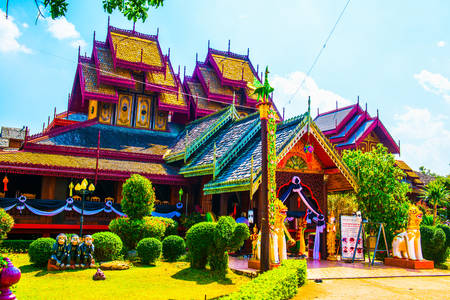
x,y
351,127
221,80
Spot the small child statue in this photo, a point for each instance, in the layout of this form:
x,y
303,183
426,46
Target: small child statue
x,y
73,252
87,251
59,250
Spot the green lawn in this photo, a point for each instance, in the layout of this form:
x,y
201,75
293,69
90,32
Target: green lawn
x,y
163,281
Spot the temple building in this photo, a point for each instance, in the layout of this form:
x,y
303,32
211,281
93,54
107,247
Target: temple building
x,y
351,128
129,112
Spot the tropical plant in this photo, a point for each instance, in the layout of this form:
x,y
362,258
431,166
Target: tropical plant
x,y
381,196
435,193
138,197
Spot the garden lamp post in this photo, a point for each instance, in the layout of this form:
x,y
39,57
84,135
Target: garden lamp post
x,y
83,189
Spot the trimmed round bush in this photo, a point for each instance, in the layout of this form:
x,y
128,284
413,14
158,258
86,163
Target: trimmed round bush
x,y
108,246
138,197
40,251
173,247
149,250
132,231
6,223
434,244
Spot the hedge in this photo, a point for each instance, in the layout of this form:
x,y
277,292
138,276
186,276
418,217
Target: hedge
x,y
107,245
149,250
173,247
40,251
15,246
434,244
279,283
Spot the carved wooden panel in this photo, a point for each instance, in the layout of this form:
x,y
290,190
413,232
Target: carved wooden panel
x,y
124,109
161,120
92,113
369,143
143,112
298,150
106,111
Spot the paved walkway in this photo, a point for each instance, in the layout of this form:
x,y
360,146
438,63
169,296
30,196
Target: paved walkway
x,y
341,270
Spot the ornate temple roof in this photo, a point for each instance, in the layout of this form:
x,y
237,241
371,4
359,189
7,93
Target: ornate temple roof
x,y
79,166
411,177
225,143
348,126
135,50
114,138
198,132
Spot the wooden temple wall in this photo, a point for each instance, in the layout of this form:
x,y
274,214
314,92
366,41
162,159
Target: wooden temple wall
x,y
318,185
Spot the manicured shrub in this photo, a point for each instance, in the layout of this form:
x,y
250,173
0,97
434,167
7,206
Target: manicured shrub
x,y
138,197
15,246
170,225
446,230
209,242
149,250
433,242
279,283
6,223
173,247
108,246
198,241
132,231
300,266
40,251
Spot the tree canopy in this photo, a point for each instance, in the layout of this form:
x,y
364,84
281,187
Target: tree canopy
x,y
132,9
382,193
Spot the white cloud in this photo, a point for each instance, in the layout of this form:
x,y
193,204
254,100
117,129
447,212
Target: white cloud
x,y
81,43
9,33
441,44
286,87
434,83
425,139
25,25
62,29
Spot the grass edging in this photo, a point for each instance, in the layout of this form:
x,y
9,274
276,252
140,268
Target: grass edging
x,y
279,283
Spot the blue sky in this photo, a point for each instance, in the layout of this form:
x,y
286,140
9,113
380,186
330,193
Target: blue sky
x,y
394,54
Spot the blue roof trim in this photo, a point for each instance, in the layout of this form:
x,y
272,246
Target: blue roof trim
x,y
357,134
347,127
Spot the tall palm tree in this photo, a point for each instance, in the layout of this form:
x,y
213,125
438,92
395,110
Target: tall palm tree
x,y
436,193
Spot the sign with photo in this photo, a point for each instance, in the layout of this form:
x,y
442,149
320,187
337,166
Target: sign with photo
x,y
349,233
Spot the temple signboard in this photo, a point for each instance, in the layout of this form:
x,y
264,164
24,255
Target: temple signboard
x,y
349,233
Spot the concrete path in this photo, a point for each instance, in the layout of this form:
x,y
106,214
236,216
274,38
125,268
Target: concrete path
x,y
377,288
342,270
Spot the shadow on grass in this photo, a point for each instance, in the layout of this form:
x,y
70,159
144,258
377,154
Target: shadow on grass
x,y
201,276
42,271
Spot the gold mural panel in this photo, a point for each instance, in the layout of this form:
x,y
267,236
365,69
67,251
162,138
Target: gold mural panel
x,y
106,111
124,109
143,112
92,113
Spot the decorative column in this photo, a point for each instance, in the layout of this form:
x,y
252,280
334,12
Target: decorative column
x,y
263,91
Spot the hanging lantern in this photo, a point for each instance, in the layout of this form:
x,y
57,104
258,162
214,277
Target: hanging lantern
x,y
71,186
309,149
5,184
